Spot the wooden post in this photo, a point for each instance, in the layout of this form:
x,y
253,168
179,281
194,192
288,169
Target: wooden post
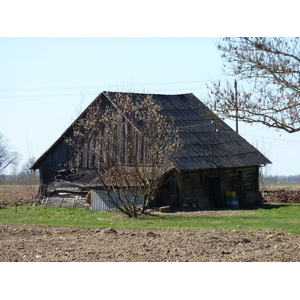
x,y
214,140
236,108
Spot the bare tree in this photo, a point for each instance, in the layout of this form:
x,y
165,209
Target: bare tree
x,y
7,157
28,176
78,108
271,68
132,145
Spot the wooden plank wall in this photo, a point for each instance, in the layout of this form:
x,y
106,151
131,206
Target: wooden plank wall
x,y
195,186
62,156
241,180
192,189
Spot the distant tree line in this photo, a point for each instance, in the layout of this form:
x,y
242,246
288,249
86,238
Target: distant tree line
x,y
281,179
22,176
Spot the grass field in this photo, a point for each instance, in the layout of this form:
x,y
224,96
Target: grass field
x,y
283,217
280,217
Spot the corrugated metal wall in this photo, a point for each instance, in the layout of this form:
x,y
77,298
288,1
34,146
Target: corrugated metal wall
x,y
100,200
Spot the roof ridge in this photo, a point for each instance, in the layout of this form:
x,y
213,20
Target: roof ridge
x,y
144,93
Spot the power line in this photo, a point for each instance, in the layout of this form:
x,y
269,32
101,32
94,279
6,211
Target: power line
x,y
41,96
262,137
277,139
89,94
95,86
145,85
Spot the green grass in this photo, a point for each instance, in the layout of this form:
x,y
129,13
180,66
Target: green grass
x,y
280,217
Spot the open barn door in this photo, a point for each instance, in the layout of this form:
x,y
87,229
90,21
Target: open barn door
x,y
215,192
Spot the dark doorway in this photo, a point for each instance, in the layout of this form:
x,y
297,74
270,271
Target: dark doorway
x,y
215,192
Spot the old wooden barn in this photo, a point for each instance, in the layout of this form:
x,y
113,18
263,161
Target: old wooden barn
x,y
214,162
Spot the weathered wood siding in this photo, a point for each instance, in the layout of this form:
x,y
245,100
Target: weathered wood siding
x,y
192,189
63,156
241,180
65,202
207,187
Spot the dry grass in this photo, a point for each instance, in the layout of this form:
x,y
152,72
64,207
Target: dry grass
x,y
11,195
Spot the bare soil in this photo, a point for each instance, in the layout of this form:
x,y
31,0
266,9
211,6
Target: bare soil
x,y
23,243
282,195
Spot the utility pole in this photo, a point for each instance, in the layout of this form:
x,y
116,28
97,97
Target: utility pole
x,y
236,108
214,139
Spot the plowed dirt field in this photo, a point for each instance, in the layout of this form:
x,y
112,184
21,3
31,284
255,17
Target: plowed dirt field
x,y
78,244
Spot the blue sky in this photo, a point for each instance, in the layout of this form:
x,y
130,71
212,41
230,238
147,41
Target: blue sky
x,y
42,82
